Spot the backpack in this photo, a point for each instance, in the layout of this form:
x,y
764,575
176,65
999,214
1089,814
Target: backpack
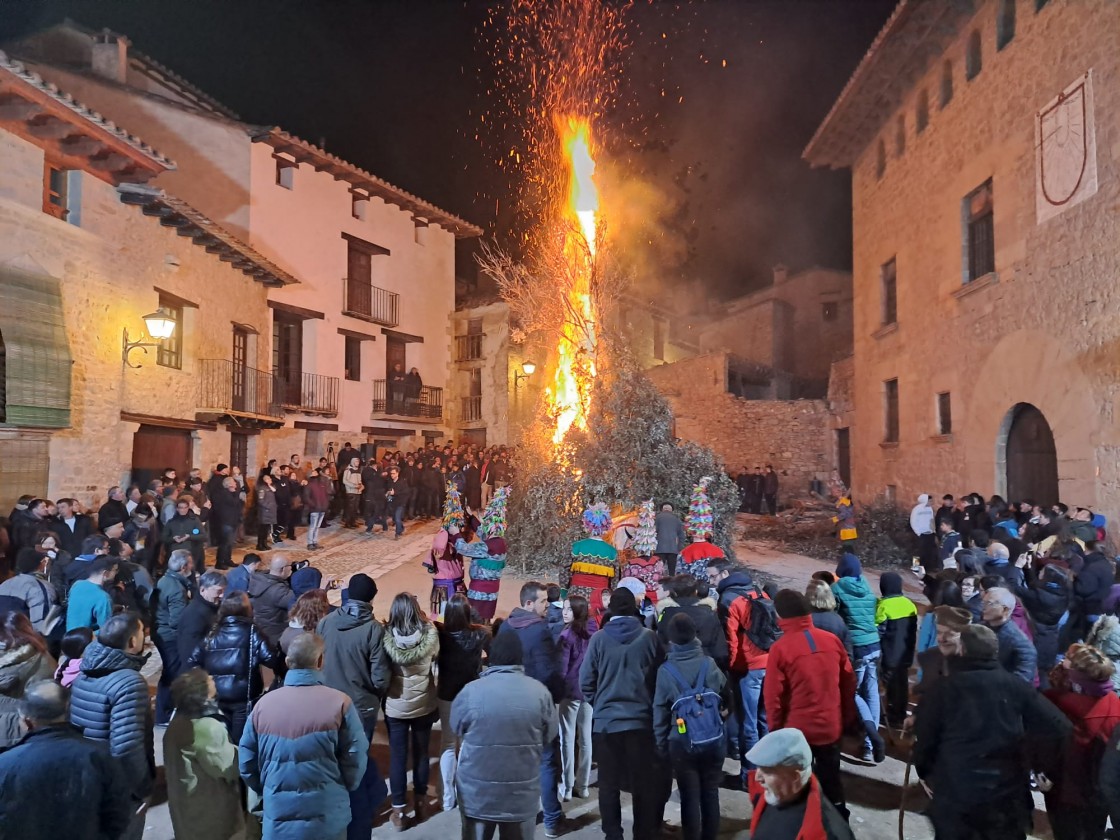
x,y
763,630
696,719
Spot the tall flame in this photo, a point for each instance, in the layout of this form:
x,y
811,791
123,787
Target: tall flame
x,y
570,393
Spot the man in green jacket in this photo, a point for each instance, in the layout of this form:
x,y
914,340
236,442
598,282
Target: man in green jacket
x,y
173,593
856,604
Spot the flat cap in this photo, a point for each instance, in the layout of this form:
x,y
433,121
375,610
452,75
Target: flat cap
x,y
782,748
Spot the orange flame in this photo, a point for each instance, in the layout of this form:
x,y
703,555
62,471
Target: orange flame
x,y
570,393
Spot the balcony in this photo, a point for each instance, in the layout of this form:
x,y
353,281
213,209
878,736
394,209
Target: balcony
x,y
232,390
468,348
308,393
361,299
470,409
399,400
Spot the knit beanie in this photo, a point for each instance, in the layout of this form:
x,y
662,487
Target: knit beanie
x,y
979,642
361,588
681,630
506,649
623,603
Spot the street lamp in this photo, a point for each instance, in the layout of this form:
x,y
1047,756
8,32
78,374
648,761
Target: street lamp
x,y
529,367
161,326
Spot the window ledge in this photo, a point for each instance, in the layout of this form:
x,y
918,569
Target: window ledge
x,y
885,330
989,279
942,438
888,444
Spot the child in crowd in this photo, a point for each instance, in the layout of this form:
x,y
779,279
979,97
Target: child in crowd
x,y
897,619
74,645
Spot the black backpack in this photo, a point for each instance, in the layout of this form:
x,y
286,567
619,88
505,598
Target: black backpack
x,y
763,630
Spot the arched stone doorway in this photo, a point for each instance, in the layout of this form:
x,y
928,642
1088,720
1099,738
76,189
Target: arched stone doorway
x,y
1030,458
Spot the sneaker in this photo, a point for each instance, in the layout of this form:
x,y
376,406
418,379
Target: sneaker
x,y
399,820
396,536
581,793
559,830
869,755
563,794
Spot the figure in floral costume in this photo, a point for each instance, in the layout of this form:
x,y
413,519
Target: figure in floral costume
x,y
695,557
594,560
488,556
444,561
639,560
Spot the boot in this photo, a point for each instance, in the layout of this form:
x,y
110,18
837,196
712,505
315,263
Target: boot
x,y
420,806
878,746
398,819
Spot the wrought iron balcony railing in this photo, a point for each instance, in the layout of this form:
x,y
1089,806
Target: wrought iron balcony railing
x,y
311,393
468,348
470,411
402,400
228,386
361,299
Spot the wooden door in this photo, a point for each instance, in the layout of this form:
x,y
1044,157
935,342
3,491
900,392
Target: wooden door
x,y
239,451
240,359
394,355
1032,461
154,448
287,356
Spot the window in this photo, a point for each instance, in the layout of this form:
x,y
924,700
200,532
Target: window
x,y
973,59
474,326
944,414
946,83
56,192
980,233
24,466
828,311
287,356
170,350
890,493
888,280
921,116
900,136
1005,23
285,173
890,411
659,339
353,359
880,159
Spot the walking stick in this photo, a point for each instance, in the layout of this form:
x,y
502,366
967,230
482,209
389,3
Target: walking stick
x,y
902,799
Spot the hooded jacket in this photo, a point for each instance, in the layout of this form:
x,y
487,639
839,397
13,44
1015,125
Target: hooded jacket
x,y
1092,584
810,684
272,598
18,667
688,659
412,687
709,631
897,619
618,675
740,598
503,721
203,784
303,750
109,702
542,657
355,661
856,604
460,658
921,516
1105,636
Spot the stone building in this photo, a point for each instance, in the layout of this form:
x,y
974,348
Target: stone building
x,y
375,264
86,250
984,145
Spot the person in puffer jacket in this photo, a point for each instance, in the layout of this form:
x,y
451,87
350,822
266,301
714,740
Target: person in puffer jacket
x,y
23,660
109,702
856,604
897,618
411,704
303,750
233,653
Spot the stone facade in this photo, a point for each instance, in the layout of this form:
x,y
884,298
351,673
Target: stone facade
x,y
1040,329
792,435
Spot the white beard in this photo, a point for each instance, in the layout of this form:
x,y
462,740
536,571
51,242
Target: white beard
x,y
771,798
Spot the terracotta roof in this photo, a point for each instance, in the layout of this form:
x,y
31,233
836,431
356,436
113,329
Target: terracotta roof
x,y
176,213
33,79
323,160
915,31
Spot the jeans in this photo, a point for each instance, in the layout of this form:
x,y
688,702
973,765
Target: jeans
x,y
398,519
226,535
826,767
169,653
754,716
575,744
550,779
448,761
698,777
314,523
484,829
621,756
867,687
366,798
421,731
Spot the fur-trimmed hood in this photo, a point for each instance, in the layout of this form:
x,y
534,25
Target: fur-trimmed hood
x,y
1105,636
408,650
667,601
20,665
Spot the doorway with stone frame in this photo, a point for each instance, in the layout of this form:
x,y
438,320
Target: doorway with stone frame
x,y
1026,457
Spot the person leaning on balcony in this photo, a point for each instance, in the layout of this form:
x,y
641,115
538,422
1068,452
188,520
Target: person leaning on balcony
x,y
412,387
352,484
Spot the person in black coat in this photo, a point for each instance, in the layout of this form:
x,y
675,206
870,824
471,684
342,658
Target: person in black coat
x,y
1046,599
197,620
397,494
86,793
232,654
71,526
113,511
373,495
226,512
685,599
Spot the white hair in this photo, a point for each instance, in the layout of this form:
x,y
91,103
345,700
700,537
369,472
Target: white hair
x,y
178,560
1001,596
999,550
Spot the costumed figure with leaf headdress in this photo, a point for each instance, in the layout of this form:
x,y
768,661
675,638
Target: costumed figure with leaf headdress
x,y
444,562
488,556
699,522
638,559
594,560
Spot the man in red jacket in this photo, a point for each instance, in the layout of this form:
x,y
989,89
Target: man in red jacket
x,y
810,686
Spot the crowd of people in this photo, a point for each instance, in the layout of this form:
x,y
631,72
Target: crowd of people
x,y
269,695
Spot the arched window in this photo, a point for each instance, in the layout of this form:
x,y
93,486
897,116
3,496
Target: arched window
x,y
946,83
1005,23
900,136
973,59
921,117
881,159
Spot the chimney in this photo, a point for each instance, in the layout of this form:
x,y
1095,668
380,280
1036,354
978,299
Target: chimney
x,y
109,56
781,272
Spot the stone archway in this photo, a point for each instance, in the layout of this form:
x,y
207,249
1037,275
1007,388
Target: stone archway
x,y
1026,455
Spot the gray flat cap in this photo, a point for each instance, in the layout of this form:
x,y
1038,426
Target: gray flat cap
x,y
782,748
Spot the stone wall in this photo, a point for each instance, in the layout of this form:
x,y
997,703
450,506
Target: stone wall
x,y
1042,329
793,435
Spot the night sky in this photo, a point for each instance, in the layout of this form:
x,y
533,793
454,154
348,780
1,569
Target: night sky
x,y
399,87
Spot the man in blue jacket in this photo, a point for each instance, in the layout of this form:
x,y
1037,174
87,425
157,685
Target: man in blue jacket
x,y
542,663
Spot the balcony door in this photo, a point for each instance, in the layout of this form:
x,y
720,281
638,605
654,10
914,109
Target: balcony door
x,y
394,355
287,356
240,360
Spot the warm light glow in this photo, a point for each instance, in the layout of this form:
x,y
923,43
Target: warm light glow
x,y
529,368
570,394
160,324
